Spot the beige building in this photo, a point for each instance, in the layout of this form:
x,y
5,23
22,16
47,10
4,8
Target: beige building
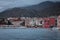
x,y
34,22
15,21
58,21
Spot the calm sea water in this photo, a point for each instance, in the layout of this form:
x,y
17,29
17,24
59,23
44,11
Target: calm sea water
x,y
29,34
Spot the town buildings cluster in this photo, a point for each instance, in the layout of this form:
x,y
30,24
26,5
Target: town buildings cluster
x,y
32,22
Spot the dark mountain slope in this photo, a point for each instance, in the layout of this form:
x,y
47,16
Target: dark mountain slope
x,y
47,8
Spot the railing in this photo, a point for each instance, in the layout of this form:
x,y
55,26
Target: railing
x,y
10,26
17,26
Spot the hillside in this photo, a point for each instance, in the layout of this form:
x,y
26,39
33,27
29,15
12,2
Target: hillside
x,y
47,8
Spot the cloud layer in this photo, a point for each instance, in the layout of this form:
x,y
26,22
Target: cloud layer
x,y
4,4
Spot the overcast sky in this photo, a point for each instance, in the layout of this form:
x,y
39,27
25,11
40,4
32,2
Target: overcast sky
x,y
4,4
